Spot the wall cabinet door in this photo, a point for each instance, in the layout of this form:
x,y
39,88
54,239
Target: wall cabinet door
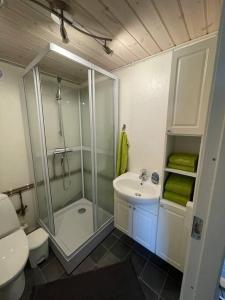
x,y
191,76
144,228
172,235
123,216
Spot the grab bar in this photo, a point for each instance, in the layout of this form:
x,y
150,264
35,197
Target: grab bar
x,y
19,191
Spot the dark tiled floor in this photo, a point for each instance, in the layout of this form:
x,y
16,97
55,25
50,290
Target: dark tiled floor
x,y
158,279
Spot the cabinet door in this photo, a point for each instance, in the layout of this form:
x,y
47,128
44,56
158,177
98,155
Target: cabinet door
x,y
191,75
144,228
172,235
123,212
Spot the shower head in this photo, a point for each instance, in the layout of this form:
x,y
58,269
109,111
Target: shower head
x,y
58,93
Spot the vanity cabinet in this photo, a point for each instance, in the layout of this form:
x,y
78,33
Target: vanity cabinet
x,y
144,228
123,216
172,234
191,76
137,221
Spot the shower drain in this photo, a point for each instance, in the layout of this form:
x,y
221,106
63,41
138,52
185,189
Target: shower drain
x,y
81,210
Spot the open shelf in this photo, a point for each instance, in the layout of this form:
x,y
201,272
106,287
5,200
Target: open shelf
x,y
165,202
181,172
183,134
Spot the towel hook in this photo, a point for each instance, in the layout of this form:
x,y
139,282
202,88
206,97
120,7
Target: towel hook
x,y
124,127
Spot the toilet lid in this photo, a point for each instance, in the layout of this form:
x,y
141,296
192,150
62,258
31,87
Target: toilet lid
x,y
13,255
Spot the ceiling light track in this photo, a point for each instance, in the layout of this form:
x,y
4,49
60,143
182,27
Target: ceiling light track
x,y
63,32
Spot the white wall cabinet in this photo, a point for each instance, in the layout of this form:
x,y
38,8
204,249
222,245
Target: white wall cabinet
x,y
140,224
191,76
172,234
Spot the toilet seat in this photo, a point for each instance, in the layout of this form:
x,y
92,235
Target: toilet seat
x,y
14,253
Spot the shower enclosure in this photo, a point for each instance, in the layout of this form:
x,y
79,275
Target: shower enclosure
x,y
72,113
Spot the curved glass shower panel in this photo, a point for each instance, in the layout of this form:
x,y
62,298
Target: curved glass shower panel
x,y
104,132
34,119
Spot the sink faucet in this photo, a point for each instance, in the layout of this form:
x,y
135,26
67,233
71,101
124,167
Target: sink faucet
x,y
144,176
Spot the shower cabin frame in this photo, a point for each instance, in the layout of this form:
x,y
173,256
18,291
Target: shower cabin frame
x,y
70,262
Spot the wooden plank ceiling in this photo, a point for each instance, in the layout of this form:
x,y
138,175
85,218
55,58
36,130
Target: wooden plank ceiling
x,y
139,28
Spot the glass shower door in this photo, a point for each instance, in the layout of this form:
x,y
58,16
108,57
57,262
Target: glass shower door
x,y
35,119
104,108
62,131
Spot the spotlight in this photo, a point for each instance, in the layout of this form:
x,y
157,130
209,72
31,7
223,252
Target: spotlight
x,y
107,49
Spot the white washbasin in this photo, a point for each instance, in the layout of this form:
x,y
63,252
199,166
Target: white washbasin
x,y
129,187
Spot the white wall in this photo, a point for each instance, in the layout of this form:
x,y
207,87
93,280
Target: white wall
x,y
144,89
14,170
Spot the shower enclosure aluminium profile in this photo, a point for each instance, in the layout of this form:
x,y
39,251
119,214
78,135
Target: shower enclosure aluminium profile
x,y
93,165
81,145
43,149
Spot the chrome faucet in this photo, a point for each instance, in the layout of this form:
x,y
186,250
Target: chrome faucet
x,y
144,176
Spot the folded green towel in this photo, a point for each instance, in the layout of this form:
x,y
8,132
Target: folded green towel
x,y
184,159
179,184
122,154
179,199
181,167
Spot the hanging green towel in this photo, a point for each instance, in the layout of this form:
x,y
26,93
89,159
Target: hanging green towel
x,y
179,199
179,184
181,167
184,159
122,154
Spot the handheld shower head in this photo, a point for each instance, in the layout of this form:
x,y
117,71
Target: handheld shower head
x,y
58,93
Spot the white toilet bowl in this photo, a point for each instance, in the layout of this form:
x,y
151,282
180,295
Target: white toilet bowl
x,y
14,252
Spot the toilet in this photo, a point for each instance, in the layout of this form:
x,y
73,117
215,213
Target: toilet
x,y
14,252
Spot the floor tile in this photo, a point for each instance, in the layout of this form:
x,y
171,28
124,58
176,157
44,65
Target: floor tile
x,y
109,241
87,265
53,270
107,260
175,274
154,277
32,277
138,262
140,250
98,253
158,261
65,275
127,240
117,232
171,290
148,292
120,250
